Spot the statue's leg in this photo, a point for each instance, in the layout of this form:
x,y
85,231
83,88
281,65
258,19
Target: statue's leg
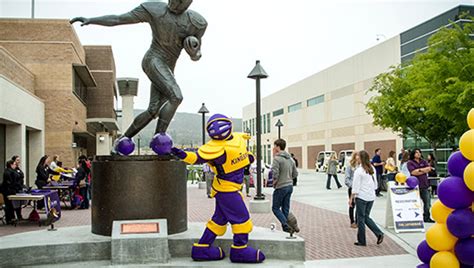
x,y
217,226
161,75
143,119
233,207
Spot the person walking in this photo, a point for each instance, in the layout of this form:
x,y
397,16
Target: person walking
x,y
420,168
9,187
350,168
363,191
209,177
332,172
247,180
295,180
284,170
378,164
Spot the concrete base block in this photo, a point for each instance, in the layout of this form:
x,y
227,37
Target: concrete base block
x,y
77,244
259,206
139,248
202,185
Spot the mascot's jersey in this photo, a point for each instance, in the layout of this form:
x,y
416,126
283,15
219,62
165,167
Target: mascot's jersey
x,y
227,160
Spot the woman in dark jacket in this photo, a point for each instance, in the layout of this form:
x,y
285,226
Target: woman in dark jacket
x,y
9,188
19,182
42,172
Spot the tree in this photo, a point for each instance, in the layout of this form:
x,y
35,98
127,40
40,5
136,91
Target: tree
x,y
431,95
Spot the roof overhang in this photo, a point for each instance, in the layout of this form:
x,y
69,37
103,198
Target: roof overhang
x,y
108,123
83,134
85,74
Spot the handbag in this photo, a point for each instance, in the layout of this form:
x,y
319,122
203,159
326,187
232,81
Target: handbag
x,y
389,168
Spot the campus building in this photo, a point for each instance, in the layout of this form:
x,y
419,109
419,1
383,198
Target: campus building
x,y
326,111
56,96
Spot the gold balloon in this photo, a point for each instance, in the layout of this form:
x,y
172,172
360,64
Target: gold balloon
x,y
469,176
440,212
470,119
444,259
439,238
466,144
401,178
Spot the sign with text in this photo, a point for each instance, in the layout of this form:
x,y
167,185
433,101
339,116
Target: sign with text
x,y
405,207
140,228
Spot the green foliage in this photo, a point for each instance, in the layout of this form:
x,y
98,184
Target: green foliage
x,y
432,94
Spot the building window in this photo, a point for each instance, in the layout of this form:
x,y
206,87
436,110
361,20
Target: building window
x,y
3,146
269,152
315,100
264,154
253,127
278,112
294,107
268,123
80,88
264,123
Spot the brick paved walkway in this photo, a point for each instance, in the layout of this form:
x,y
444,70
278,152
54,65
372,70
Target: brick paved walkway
x,y
327,234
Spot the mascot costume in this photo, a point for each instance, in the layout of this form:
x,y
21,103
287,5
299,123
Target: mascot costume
x,y
227,155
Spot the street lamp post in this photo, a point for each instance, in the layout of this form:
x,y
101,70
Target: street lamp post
x,y
138,143
279,124
203,111
258,73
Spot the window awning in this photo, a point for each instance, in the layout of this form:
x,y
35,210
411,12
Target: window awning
x,y
85,74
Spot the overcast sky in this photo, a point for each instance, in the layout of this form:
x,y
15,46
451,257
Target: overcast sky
x,y
292,39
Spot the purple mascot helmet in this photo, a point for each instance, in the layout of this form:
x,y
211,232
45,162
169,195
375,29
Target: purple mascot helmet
x,y
219,127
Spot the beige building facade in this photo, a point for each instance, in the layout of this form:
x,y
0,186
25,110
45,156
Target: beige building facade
x,y
62,92
326,111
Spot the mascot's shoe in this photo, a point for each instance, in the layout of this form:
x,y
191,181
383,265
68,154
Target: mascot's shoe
x,y
246,254
205,252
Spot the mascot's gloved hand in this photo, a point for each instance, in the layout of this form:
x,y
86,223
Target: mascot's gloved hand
x,y
178,152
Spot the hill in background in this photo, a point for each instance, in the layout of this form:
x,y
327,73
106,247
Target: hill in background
x,y
185,129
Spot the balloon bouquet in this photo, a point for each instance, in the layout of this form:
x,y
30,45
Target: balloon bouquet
x,y
450,241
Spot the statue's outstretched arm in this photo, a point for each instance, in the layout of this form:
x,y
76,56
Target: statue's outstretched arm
x,y
109,20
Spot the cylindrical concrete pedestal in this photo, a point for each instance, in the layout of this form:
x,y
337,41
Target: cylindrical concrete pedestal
x,y
138,187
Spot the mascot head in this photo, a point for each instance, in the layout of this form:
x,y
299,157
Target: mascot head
x,y
219,127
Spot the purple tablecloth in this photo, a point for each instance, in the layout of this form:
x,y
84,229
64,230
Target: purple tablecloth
x,y
51,201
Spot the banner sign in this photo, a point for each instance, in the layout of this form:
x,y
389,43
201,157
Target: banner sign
x,y
405,207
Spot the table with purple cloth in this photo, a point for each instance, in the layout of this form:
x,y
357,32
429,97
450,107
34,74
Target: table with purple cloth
x,y
50,198
65,190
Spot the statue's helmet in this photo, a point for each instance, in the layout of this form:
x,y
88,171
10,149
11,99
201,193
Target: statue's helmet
x,y
219,127
179,6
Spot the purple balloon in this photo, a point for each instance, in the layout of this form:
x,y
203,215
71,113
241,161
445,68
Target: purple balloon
x,y
454,193
464,250
461,223
161,144
457,163
412,182
425,253
125,146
